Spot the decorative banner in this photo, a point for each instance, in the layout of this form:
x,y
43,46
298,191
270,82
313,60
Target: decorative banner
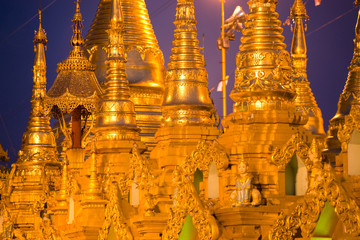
x,y
220,85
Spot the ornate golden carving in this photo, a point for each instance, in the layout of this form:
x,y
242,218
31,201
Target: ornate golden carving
x,y
204,154
114,217
144,179
187,202
47,231
324,188
76,83
298,144
346,129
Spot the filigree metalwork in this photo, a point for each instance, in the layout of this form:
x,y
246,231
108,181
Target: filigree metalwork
x,y
68,102
144,179
298,144
346,129
187,202
114,217
324,188
204,154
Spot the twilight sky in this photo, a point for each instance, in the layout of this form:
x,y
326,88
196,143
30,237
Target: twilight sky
x,y
329,49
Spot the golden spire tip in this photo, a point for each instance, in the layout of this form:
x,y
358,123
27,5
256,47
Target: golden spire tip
x,y
77,39
116,12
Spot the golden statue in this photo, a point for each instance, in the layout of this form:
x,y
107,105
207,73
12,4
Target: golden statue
x,y
245,193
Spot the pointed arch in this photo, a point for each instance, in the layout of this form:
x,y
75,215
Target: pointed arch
x,y
188,203
114,219
349,137
297,144
325,188
296,177
204,154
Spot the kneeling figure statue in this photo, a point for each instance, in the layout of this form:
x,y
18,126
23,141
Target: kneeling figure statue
x,y
245,193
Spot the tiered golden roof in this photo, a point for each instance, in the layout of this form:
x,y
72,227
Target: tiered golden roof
x,y
304,101
76,83
186,99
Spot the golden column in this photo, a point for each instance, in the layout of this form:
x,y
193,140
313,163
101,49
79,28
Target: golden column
x,y
116,130
188,114
304,101
349,97
37,169
145,61
223,59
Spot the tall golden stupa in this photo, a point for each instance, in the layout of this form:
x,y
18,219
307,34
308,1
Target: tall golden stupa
x,y
140,154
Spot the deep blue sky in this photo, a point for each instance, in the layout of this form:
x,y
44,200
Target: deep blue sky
x,y
329,50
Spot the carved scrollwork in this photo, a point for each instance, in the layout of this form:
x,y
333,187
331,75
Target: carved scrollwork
x,y
296,144
68,102
346,129
324,188
187,202
114,218
200,75
248,79
204,154
144,179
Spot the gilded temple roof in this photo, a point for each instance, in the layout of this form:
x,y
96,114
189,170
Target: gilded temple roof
x,y
76,83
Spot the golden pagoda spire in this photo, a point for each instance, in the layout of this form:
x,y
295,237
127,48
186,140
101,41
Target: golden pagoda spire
x,y
77,39
350,96
305,101
116,129
116,107
38,138
351,91
186,99
145,61
263,64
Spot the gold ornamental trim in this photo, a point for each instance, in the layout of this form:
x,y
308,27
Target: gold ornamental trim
x,y
325,188
346,129
68,102
298,144
115,217
202,157
187,202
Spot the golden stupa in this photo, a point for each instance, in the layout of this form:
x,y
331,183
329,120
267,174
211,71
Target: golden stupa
x,y
141,155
